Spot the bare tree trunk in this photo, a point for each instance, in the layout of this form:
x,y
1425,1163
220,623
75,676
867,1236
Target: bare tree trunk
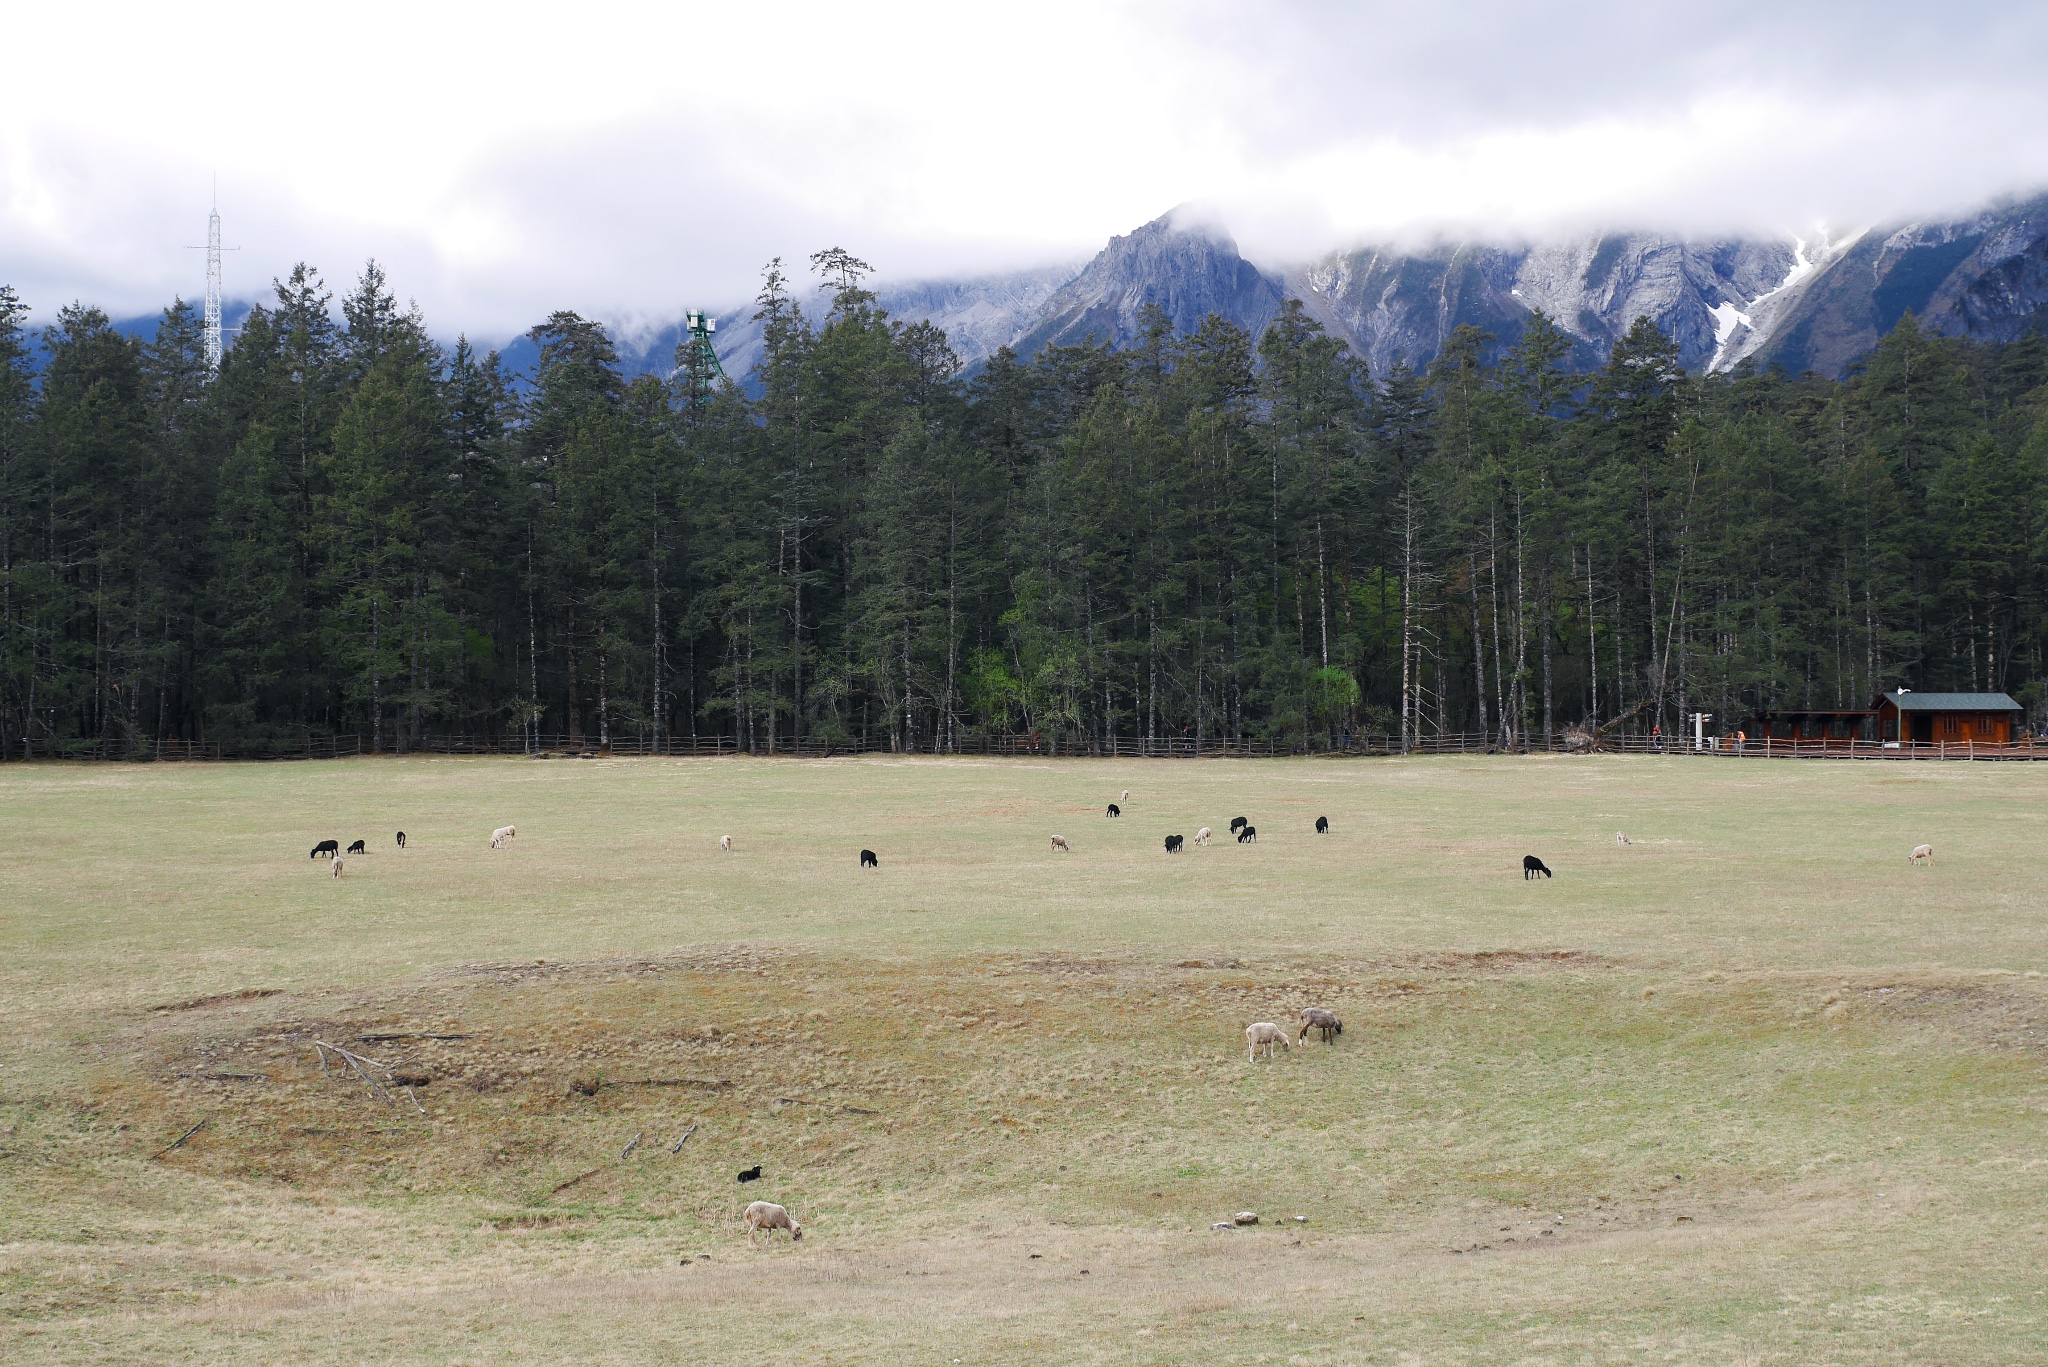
x,y
1544,648
1478,649
1592,640
1323,592
376,683
660,717
575,691
604,697
1408,721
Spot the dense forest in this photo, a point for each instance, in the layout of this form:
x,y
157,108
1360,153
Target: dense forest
x,y
351,530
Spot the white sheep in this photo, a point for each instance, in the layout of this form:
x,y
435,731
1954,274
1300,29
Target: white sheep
x,y
725,843
337,866
1921,852
502,834
1059,843
1127,795
1263,1033
1621,838
771,1217
1202,836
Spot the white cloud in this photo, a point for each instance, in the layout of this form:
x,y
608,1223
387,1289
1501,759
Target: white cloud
x,y
625,158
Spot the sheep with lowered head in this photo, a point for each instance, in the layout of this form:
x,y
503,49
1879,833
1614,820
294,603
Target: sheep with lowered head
x,y
771,1217
1263,1034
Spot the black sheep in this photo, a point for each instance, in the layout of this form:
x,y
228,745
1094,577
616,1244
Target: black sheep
x,y
1322,825
325,847
1248,834
751,1174
1531,866
868,860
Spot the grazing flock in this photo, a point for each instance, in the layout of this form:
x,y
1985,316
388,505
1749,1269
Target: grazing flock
x,y
1266,1036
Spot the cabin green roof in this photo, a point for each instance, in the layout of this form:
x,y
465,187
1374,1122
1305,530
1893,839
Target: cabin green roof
x,y
1951,702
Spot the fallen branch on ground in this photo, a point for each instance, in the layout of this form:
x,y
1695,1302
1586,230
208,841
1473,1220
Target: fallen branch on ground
x,y
360,1065
574,1180
678,1145
183,1137
631,1144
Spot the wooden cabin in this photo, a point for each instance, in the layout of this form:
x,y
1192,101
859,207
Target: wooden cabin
x,y
1947,718
1817,724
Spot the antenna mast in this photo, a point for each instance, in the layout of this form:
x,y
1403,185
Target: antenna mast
x,y
697,357
213,249
213,289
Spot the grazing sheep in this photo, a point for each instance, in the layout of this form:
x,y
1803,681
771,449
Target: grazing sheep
x,y
358,848
1114,810
725,843
1249,834
1316,1018
1202,836
868,860
1237,823
1173,844
1531,866
1059,844
771,1217
1126,797
752,1174
337,866
501,835
325,847
1264,1035
1322,825
401,840
1621,838
1925,852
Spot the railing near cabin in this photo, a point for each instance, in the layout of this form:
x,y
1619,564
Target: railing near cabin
x,y
1035,745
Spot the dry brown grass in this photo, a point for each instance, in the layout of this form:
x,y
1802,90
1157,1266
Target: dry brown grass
x,y
1596,1137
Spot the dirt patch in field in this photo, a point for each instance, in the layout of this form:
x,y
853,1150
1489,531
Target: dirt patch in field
x,y
247,994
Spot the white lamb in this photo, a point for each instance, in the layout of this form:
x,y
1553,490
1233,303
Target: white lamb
x,y
1621,838
771,1217
725,843
337,866
502,834
1925,852
1266,1034
1059,842
1202,836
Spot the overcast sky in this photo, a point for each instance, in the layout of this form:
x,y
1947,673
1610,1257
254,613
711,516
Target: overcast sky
x,y
629,159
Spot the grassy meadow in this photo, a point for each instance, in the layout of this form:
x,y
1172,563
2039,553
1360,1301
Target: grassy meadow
x,y
1750,1089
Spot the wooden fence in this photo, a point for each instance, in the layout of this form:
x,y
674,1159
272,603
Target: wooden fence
x,y
1031,746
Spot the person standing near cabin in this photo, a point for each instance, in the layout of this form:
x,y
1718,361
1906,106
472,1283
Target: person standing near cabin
x,y
1657,737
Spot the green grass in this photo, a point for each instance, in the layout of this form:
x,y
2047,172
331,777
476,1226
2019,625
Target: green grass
x,y
1750,1089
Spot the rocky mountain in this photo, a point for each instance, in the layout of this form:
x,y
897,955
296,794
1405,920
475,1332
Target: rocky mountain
x,y
1813,303
1400,306
1984,276
1188,271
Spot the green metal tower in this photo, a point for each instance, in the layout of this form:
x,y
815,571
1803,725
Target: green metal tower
x,y
697,358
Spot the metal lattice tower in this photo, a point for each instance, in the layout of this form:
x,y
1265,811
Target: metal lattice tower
x,y
697,357
213,249
213,347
